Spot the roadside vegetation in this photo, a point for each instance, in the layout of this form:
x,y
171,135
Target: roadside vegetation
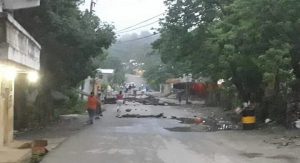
x,y
70,39
253,45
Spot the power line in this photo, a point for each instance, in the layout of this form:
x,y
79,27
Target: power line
x,y
137,27
141,22
141,38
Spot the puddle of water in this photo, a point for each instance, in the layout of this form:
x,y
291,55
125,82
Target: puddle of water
x,y
252,155
289,159
180,129
161,115
193,128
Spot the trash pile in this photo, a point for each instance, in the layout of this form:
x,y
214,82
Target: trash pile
x,y
161,115
150,100
199,124
284,141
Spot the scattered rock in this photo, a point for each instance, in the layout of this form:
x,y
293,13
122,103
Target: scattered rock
x,y
213,123
39,151
173,117
141,116
40,143
25,145
227,125
297,143
267,120
280,142
39,147
179,129
198,120
193,128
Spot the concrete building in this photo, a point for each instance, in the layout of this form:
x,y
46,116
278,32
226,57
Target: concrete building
x,y
94,84
105,74
19,53
89,84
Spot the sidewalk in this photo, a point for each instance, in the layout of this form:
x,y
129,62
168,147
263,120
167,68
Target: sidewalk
x,y
11,155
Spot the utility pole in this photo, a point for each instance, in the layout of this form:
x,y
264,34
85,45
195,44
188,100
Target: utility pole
x,y
93,3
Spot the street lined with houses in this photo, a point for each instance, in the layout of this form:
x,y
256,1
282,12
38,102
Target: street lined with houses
x,y
160,81
164,139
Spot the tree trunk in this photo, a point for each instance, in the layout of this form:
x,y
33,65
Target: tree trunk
x,y
293,106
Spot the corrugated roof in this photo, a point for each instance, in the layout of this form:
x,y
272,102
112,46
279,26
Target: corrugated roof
x,y
106,71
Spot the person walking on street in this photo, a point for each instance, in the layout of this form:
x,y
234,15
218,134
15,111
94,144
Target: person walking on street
x,y
120,101
99,109
179,96
92,107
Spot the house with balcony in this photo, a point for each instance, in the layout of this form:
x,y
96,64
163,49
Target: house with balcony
x,y
19,54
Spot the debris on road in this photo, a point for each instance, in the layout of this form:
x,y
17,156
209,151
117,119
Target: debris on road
x,y
192,128
150,100
210,124
297,124
184,120
141,116
284,141
110,100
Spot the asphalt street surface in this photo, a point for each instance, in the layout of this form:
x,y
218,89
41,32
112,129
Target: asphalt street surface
x,y
145,140
137,140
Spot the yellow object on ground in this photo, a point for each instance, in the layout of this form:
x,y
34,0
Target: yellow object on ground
x,y
248,120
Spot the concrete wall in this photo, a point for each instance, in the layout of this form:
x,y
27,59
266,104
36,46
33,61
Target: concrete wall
x,y
106,77
6,111
17,46
18,4
88,86
167,89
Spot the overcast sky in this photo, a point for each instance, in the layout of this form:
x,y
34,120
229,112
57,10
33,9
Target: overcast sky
x,y
125,13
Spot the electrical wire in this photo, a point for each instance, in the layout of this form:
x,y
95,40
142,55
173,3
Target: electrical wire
x,y
141,22
141,38
137,27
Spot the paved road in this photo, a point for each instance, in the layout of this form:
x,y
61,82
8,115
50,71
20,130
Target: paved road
x,y
138,140
135,78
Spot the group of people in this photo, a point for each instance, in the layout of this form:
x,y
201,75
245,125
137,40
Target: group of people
x,y
94,108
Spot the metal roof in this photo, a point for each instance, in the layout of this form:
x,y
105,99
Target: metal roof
x,y
106,71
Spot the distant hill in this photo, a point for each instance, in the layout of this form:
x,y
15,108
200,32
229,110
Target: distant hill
x,y
125,48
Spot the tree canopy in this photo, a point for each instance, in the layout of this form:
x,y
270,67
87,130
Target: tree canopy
x,y
69,38
252,44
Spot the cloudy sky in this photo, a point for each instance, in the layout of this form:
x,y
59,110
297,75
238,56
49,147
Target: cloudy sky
x,y
125,13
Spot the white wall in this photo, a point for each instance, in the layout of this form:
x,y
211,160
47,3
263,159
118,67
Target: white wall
x,y
17,4
17,45
87,87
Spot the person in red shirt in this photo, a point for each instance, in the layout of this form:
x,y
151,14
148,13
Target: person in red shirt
x,y
120,100
120,96
92,107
